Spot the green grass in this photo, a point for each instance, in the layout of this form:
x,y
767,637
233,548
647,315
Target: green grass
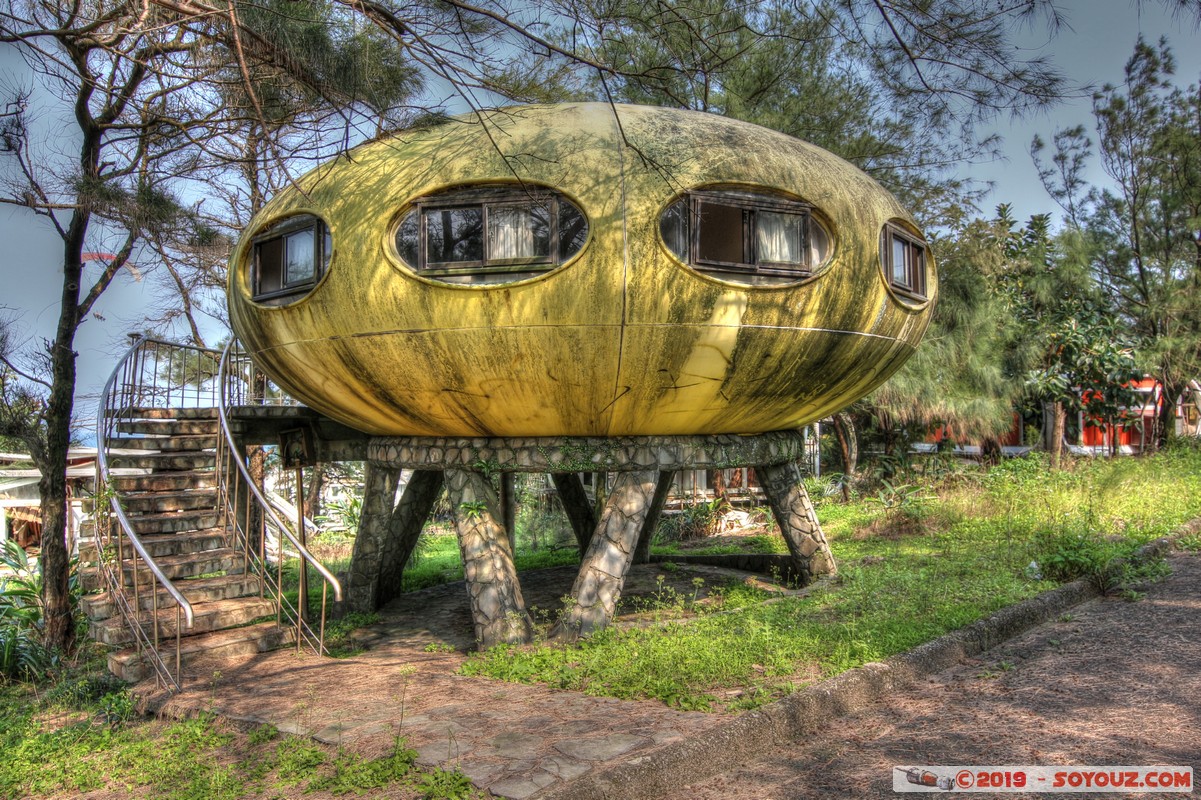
x,y
438,561
906,576
56,741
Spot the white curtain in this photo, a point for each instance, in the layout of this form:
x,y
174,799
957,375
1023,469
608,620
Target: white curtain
x,y
511,232
778,238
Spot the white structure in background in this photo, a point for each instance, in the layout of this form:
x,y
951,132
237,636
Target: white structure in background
x,y
21,505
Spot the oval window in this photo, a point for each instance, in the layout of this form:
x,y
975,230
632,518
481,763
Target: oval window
x,y
745,237
903,258
487,235
289,258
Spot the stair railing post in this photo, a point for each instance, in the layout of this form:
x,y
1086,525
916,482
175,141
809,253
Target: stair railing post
x,y
137,602
303,600
178,647
154,612
321,634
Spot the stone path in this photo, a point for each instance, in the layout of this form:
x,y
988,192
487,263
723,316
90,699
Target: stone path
x,y
510,739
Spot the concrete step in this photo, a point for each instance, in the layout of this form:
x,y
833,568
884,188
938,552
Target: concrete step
x,y
206,617
169,427
187,565
101,605
166,481
163,462
167,501
161,545
147,412
130,665
175,521
189,443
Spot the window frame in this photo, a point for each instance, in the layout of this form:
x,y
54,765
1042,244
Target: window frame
x,y
916,269
485,198
751,203
280,231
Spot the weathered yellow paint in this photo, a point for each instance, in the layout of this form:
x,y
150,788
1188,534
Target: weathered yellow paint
x,y
623,339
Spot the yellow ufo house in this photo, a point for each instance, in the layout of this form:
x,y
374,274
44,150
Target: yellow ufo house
x,y
581,270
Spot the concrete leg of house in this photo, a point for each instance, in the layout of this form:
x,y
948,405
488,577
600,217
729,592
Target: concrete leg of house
x,y
785,490
379,495
602,573
508,507
577,506
642,554
496,603
404,529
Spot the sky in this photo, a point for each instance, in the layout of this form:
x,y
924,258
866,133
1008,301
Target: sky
x,y
1091,49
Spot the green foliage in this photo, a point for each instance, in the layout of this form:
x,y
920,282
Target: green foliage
x,y
353,773
693,521
22,653
343,514
1136,239
83,692
262,734
338,639
445,784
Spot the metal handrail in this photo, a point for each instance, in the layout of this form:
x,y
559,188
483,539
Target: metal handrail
x,y
270,516
104,428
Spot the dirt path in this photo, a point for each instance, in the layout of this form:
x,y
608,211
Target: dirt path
x,y
1112,683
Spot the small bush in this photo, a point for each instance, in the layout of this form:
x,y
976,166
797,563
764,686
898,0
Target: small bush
x,y
445,784
22,654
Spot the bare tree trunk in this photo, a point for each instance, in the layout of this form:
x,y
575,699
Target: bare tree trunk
x,y
1055,436
848,446
508,507
312,499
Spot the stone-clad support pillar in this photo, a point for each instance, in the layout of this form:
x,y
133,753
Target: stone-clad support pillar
x,y
508,507
642,554
577,505
785,490
404,529
603,571
379,495
496,603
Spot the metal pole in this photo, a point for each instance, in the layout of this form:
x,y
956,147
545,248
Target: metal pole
x,y
303,600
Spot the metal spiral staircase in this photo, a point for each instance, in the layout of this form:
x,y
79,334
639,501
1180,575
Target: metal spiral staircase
x,y
190,560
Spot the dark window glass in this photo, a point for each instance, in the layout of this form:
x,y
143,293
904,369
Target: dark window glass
x,y
721,233
290,257
490,234
270,259
745,237
407,238
673,226
573,230
454,234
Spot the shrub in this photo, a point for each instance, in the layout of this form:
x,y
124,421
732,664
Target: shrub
x,y
22,654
